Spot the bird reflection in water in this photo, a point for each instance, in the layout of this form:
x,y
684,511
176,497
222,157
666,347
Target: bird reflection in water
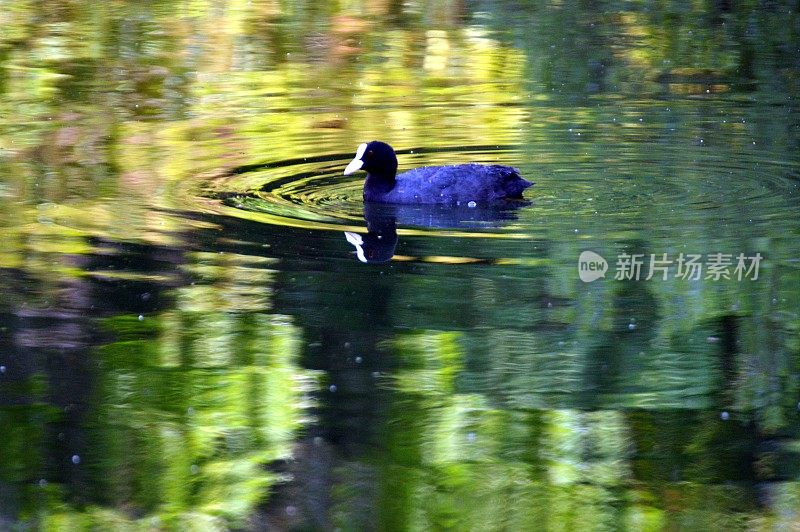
x,y
379,243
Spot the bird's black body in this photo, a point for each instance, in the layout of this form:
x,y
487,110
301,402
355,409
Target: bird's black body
x,y
451,185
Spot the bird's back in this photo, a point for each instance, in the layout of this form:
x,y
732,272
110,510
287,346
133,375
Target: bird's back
x,y
455,184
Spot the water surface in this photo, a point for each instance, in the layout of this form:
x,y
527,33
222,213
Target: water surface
x,y
190,338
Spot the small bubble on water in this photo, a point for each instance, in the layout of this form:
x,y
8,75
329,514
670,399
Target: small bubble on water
x,y
712,339
195,469
472,204
376,374
76,459
141,317
471,436
42,482
724,416
291,511
332,388
631,326
358,360
2,369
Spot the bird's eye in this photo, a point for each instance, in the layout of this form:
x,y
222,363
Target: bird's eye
x,y
369,153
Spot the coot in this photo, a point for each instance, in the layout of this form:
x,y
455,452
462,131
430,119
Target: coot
x,y
467,184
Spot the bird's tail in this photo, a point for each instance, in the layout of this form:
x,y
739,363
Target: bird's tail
x,y
514,184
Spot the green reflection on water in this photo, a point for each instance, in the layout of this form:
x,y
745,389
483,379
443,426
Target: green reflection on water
x,y
167,361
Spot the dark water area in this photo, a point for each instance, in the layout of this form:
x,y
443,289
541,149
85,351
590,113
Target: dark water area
x,y
203,326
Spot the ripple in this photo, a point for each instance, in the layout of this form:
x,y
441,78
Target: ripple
x,y
669,185
312,192
691,182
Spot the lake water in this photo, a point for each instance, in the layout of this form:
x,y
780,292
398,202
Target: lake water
x,y
203,327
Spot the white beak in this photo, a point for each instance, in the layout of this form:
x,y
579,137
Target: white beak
x,y
354,166
356,240
356,163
